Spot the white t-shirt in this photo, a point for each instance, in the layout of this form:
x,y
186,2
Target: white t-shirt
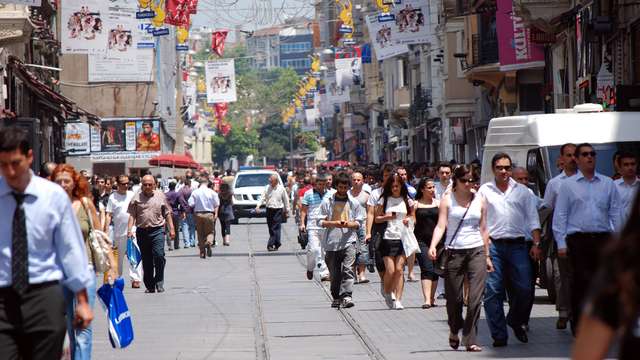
x,y
117,206
394,227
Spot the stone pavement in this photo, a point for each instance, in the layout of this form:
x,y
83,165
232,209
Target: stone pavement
x,y
246,303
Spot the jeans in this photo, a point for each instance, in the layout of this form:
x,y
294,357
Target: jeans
x,y
151,243
511,267
80,340
188,229
275,217
340,264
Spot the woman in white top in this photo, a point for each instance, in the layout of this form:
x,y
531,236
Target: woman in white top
x,y
464,215
395,208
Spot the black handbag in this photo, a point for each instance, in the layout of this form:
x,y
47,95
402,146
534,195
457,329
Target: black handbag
x,y
441,253
303,239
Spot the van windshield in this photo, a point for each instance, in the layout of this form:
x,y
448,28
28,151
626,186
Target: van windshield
x,y
604,160
247,180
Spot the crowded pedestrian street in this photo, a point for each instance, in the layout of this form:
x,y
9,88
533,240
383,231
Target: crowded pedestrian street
x,y
248,303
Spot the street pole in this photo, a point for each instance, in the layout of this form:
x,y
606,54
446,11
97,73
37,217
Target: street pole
x,y
291,145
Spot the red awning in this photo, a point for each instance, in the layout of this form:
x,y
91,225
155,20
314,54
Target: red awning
x,y
336,163
174,161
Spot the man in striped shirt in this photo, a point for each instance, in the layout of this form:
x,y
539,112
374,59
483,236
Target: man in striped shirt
x,y
309,222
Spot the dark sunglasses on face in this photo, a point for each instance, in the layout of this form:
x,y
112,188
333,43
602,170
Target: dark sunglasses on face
x,y
506,168
467,181
588,153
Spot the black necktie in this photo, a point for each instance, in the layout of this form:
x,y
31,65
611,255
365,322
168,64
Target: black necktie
x,y
19,247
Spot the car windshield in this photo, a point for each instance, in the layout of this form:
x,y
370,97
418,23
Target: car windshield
x,y
246,180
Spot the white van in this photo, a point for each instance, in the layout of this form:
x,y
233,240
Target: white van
x,y
248,186
534,141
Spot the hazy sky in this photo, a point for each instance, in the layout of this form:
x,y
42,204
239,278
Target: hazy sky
x,y
251,14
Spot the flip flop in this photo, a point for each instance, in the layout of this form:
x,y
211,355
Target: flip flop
x,y
426,306
474,348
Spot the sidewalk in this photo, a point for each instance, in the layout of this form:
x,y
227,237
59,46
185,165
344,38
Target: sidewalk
x,y
247,303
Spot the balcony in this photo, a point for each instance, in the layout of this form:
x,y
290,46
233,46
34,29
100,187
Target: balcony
x,y
422,101
485,49
14,26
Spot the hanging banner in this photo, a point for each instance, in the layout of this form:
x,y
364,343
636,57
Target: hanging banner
x,y
409,26
221,81
516,51
381,37
135,68
178,13
336,94
122,28
22,2
349,71
77,138
218,39
83,26
311,115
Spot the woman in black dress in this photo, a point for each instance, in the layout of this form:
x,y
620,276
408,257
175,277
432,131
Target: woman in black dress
x,y
225,213
426,210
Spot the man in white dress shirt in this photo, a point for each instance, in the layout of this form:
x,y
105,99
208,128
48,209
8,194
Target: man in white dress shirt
x,y
587,211
444,175
511,214
205,203
628,184
562,276
275,198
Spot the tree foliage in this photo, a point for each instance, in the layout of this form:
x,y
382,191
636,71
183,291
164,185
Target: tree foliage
x,y
240,142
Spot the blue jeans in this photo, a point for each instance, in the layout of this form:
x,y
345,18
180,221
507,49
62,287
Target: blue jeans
x,y
188,229
80,340
512,270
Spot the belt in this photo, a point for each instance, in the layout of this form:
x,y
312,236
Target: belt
x,y
466,251
516,240
204,212
589,235
6,289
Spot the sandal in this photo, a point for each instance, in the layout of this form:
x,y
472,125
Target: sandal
x,y
426,306
473,348
454,342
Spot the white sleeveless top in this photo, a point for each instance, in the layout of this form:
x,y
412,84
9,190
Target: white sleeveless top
x,y
468,236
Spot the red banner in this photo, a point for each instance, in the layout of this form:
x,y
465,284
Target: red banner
x,y
178,13
221,111
217,41
193,6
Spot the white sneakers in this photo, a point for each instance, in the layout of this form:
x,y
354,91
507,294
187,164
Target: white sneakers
x,y
397,305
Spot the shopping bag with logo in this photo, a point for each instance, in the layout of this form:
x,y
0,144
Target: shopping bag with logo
x,y
118,316
409,241
133,252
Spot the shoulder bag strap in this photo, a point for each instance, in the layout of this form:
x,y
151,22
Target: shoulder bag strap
x,y
453,238
86,210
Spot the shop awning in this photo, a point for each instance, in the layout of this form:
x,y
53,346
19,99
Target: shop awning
x,y
174,161
57,102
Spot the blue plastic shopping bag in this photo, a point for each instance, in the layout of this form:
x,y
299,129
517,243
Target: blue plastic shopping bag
x,y
118,316
133,253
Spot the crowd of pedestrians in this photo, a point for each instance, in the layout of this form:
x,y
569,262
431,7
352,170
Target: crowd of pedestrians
x,y
477,245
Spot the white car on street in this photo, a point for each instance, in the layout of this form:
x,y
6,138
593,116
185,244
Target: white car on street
x,y
248,186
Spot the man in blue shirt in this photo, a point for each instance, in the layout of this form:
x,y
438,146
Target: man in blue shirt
x,y
40,246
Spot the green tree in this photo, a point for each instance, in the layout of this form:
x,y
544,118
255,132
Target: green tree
x,y
240,142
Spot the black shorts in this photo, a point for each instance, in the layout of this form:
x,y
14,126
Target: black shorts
x,y
391,248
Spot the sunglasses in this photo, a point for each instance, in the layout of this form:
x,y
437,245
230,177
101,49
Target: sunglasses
x,y
467,181
505,168
588,153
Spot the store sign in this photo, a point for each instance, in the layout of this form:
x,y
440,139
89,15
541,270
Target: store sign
x,y
516,51
123,156
77,138
136,68
22,2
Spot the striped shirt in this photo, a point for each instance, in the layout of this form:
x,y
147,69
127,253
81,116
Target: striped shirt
x,y
312,200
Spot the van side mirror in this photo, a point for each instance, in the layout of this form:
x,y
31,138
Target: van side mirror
x,y
535,167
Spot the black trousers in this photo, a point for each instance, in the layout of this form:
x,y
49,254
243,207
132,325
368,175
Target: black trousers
x,y
274,219
151,243
584,251
33,326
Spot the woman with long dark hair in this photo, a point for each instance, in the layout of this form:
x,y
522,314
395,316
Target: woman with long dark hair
x,y
464,216
394,208
613,311
426,210
225,213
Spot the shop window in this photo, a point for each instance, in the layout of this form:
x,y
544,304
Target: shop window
x,y
531,97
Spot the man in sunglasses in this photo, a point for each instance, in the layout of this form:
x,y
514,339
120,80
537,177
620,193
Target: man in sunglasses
x,y
587,211
117,207
511,215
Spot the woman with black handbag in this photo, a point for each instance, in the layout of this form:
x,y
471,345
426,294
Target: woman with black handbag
x,y
466,255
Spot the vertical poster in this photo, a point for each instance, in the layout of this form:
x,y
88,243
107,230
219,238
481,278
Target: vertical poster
x,y
130,135
148,135
336,93
83,30
77,138
381,38
122,28
409,26
221,81
95,139
112,136
349,71
516,51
